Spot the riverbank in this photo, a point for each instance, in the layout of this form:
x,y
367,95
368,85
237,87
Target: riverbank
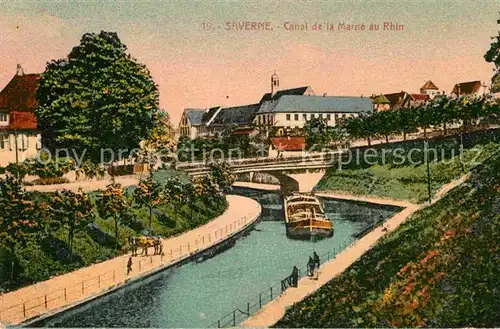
x,y
275,310
69,290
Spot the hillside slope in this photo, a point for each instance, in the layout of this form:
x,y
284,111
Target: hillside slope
x,y
439,269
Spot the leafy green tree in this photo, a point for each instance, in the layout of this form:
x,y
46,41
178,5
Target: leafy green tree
x,y
384,123
174,194
149,193
222,174
493,56
112,203
74,210
17,217
406,121
99,97
425,117
317,133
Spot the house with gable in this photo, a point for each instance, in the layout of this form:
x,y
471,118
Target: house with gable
x,y
19,135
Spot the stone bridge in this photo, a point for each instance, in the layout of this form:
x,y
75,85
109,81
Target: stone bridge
x,y
295,175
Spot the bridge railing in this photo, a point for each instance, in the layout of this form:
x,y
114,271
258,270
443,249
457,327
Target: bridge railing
x,y
261,160
252,305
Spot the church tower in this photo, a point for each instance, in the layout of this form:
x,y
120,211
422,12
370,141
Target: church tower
x,y
275,83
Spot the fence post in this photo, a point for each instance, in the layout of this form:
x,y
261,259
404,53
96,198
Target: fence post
x,y
248,308
271,289
203,239
218,323
114,276
209,238
151,259
234,318
24,310
65,294
83,287
260,300
170,252
188,246
99,281
45,301
328,255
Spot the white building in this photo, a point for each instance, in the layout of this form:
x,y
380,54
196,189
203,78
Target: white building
x,y
291,112
19,136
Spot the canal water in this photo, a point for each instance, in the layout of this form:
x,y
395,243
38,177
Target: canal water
x,y
198,294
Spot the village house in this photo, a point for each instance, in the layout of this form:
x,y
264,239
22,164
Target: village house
x,y
403,99
19,136
475,88
191,123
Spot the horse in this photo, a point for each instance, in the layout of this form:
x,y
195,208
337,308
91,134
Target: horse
x,y
132,241
145,243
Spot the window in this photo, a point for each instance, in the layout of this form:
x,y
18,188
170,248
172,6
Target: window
x,y
328,117
288,117
296,117
4,118
304,116
4,140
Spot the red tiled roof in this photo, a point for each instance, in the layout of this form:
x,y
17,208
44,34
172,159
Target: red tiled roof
x,y
288,143
420,97
395,98
467,87
19,101
19,93
429,85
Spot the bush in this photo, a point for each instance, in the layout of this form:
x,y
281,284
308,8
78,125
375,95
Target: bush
x,y
49,181
19,170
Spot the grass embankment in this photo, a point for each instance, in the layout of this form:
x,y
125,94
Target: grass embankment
x,y
439,269
46,255
393,175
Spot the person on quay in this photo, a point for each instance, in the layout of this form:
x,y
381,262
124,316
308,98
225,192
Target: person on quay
x,y
316,260
310,266
295,276
129,266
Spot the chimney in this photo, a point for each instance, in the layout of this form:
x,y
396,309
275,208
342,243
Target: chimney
x,y
19,70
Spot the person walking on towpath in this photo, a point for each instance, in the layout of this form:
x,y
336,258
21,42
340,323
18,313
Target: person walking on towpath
x,y
295,276
310,266
129,266
316,260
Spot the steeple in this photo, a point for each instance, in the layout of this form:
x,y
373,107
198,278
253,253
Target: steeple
x,y
275,83
19,70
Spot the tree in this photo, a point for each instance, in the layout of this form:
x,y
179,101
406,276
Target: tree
x,y
222,174
159,146
112,203
406,121
493,56
17,217
317,133
97,98
149,194
74,210
174,193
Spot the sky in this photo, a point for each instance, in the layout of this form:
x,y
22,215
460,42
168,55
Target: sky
x,y
196,67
